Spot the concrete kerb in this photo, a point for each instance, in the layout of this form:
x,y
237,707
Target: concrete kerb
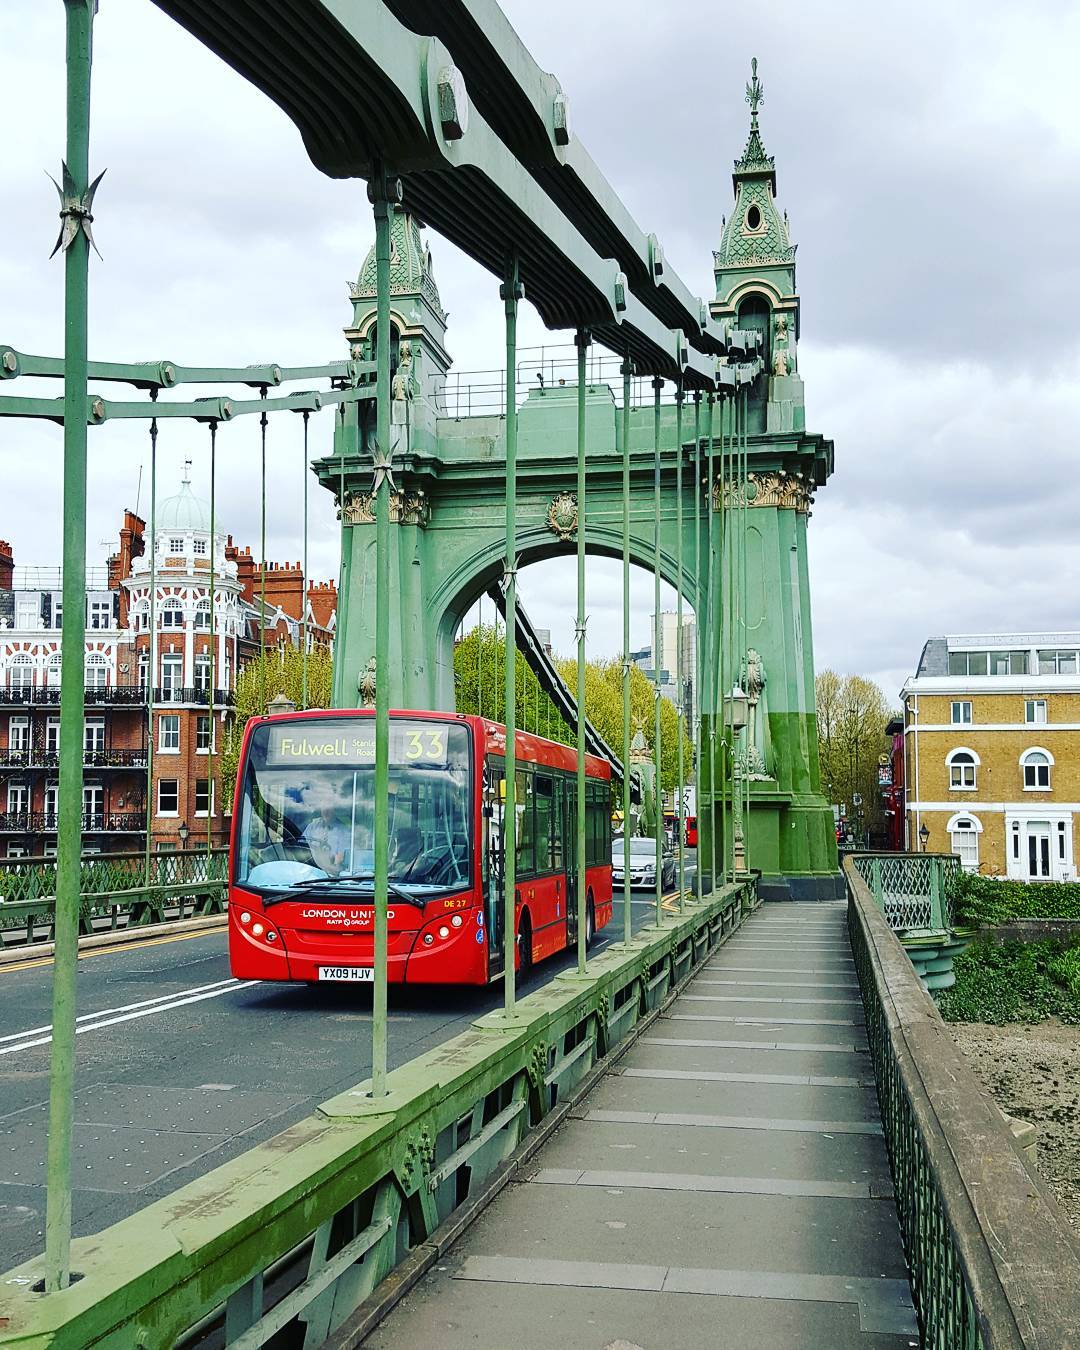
x,y
117,937
150,1278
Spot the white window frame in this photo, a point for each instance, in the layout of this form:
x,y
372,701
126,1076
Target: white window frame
x,y
1027,763
98,663
202,612
93,801
176,785
208,747
52,736
100,615
18,793
23,663
198,547
19,733
960,705
168,609
169,744
964,768
172,662
16,851
93,735
176,544
27,613
204,815
201,671
964,830
1032,708
52,667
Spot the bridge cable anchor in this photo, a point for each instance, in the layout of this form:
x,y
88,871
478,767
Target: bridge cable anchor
x,y
76,212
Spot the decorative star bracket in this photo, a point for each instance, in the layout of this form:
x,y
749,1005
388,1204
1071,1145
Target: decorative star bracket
x,y
509,576
579,629
384,469
76,212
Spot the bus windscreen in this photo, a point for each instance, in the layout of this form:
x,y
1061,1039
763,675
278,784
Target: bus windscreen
x,y
307,807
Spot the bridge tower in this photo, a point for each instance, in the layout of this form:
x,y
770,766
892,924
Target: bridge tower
x,y
791,838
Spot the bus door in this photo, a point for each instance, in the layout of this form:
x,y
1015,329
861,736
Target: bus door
x,y
569,831
492,863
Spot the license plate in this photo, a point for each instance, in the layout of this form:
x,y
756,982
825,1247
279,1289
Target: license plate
x,y
365,974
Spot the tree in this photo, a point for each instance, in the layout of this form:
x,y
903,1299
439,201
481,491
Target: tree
x,y
851,717
284,674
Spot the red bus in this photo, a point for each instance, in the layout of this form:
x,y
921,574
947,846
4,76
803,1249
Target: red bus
x,y
691,831
301,887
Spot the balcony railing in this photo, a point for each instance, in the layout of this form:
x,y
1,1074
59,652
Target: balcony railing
x,y
93,822
48,695
113,695
223,698
37,757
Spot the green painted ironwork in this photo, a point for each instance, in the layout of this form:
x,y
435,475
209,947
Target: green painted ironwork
x,y
680,687
511,294
701,632
658,643
583,341
151,655
183,1271
75,241
990,1258
627,373
911,889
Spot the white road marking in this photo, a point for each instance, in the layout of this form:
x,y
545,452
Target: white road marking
x,y
95,1021
124,1007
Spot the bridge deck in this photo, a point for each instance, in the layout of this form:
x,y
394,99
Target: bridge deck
x,y
725,1185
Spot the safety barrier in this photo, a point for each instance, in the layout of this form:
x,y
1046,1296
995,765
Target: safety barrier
x,y
910,889
117,892
300,1230
991,1261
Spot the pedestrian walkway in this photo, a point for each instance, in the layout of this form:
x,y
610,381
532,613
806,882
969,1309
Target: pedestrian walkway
x,y
725,1185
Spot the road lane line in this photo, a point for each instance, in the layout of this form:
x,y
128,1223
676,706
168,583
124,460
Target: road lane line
x,y
132,1016
125,1007
118,949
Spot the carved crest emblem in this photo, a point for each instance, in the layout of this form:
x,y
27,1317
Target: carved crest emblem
x,y
562,514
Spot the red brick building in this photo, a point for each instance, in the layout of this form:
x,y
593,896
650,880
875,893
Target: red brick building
x,y
173,680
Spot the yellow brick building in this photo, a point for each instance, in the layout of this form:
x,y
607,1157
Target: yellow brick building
x,y
992,753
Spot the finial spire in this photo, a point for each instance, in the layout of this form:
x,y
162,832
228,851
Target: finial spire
x,y
755,94
186,480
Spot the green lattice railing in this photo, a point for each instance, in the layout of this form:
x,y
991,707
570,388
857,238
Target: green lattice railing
x,y
116,891
991,1261
912,890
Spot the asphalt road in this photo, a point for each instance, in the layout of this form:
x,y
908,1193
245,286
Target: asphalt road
x,y
179,1067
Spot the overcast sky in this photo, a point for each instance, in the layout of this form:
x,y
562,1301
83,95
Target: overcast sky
x,y
927,156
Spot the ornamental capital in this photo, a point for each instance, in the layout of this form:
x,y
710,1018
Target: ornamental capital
x,y
406,508
776,487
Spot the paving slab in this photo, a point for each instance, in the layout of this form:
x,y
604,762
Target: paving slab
x,y
725,1184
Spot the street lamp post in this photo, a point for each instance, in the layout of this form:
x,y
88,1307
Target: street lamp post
x,y
924,835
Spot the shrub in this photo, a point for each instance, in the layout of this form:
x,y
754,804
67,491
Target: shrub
x,y
980,901
1014,982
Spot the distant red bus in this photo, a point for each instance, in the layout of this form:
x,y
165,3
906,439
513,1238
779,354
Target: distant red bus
x,y
691,831
301,888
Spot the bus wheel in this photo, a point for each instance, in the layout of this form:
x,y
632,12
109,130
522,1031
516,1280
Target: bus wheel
x,y
525,960
590,923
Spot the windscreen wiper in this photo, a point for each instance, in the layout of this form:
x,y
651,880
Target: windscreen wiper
x,y
395,890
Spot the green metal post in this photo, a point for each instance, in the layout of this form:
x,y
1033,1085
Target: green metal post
x,y
714,683
725,680
304,578
744,606
700,631
384,195
262,582
511,293
80,22
151,660
582,340
658,385
340,648
627,371
212,797
679,687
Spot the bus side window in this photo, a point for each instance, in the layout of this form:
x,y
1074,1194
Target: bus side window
x,y
526,833
544,821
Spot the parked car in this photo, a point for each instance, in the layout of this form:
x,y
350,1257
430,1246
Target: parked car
x,y
642,863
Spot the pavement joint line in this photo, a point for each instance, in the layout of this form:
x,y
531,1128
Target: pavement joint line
x,y
734,998
699,1120
770,970
787,1046
779,984
707,1184
720,1076
132,1016
745,1021
884,1304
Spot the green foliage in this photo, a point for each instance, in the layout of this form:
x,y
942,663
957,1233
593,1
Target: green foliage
x,y
985,901
480,681
1015,982
284,674
851,717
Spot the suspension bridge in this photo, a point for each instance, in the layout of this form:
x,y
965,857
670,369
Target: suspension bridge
x,y
726,1118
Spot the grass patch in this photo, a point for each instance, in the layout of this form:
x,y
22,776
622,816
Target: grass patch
x,y
1015,982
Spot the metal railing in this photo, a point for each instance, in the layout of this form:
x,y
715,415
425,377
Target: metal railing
x,y
223,698
39,757
116,891
48,695
911,889
991,1262
46,822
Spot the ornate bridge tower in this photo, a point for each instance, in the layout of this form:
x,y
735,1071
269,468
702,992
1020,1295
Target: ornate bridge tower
x,y
791,838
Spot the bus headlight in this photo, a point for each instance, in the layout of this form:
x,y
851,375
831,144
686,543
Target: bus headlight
x,y
245,917
457,921
257,929
444,932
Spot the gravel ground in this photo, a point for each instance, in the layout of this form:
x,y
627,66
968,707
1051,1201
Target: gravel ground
x,y
1034,1072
